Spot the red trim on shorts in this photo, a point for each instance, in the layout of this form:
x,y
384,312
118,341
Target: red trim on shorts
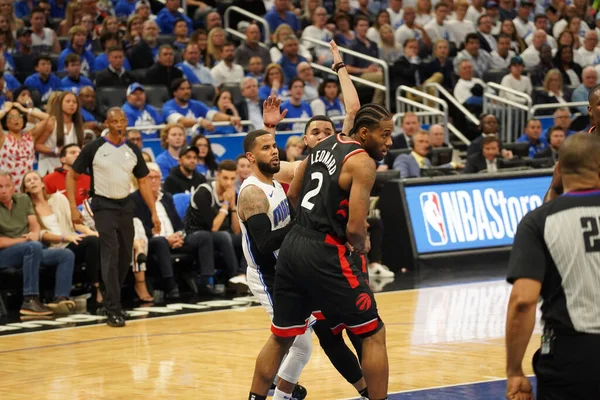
x,y
318,315
339,138
364,263
288,332
333,240
352,153
358,329
346,270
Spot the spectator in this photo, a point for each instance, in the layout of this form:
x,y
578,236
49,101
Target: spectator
x,y
90,111
383,18
78,38
193,70
389,50
503,55
437,28
410,165
57,229
318,31
124,8
517,44
411,30
396,14
571,71
87,22
531,56
184,178
134,31
242,171
522,21
74,81
142,9
11,82
116,74
24,57
207,163
589,53
424,14
167,17
110,25
172,140
216,41
280,14
541,22
480,59
20,248
306,11
363,11
163,71
460,27
440,64
294,147
213,209
213,20
562,119
181,33
91,7
344,33
589,77
276,51
273,84
487,159
405,71
515,80
295,106
554,91
139,113
184,110
109,40
311,84
469,90
58,8
226,71
43,40
507,10
143,54
171,238
361,67
224,105
538,73
135,137
72,19
556,136
22,95
437,136
489,127
256,70
65,128
475,10
566,39
328,103
251,48
410,126
290,59
44,81
55,181
532,136
250,107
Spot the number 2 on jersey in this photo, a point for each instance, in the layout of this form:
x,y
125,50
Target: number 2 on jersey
x,y
591,237
306,203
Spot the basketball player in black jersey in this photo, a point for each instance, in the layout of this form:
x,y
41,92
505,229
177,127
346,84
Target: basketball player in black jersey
x,y
322,260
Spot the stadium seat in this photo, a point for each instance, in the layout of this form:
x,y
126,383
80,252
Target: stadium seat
x,y
54,60
203,93
138,75
157,95
63,41
111,96
236,92
182,202
495,75
165,39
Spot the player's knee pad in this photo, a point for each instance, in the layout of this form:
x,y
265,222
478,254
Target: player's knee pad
x,y
297,357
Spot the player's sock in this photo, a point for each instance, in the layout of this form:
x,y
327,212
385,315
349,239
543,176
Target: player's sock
x,y
254,396
279,395
364,393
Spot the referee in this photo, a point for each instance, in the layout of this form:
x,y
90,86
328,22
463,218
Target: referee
x,y
556,255
111,160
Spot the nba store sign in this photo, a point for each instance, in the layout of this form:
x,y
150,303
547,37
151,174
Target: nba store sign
x,y
471,215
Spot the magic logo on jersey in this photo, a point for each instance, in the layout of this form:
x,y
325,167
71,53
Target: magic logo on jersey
x,y
281,213
471,214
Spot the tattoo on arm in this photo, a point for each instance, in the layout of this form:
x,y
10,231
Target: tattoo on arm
x,y
252,201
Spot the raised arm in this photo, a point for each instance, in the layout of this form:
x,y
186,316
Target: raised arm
x,y
351,100
272,114
361,168
295,189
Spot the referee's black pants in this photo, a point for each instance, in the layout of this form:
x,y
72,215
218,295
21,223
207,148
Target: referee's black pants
x,y
572,372
115,228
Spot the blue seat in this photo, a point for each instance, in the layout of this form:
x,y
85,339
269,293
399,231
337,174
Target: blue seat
x,y
182,202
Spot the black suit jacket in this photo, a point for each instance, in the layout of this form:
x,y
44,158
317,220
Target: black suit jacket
x,y
242,108
158,74
542,97
108,78
140,56
483,43
399,142
446,69
403,73
143,212
476,163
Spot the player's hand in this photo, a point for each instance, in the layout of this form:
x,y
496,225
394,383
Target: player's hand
x,y
367,247
518,388
335,51
76,217
272,114
156,224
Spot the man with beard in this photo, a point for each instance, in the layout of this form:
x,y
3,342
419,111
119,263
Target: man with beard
x,y
143,54
184,178
226,71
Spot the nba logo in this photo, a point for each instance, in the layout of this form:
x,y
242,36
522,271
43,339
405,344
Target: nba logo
x,y
434,219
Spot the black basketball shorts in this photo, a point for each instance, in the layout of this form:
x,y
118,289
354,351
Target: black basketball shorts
x,y
317,272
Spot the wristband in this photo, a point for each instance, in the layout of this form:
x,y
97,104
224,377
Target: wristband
x,y
199,120
270,126
338,66
224,211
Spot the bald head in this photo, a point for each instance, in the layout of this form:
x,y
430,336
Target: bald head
x,y
589,77
436,135
579,162
116,121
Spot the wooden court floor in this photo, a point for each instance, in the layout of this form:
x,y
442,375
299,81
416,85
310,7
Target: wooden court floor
x,y
439,336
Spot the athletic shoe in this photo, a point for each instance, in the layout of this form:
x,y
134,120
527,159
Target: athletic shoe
x,y
33,306
239,283
378,284
377,270
115,320
62,305
299,392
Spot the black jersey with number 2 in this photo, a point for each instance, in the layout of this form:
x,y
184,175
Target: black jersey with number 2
x,y
323,203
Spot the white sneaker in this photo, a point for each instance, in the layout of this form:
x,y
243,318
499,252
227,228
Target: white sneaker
x,y
377,270
238,279
239,283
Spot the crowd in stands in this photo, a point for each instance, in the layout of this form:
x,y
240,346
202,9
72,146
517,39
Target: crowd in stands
x,y
63,64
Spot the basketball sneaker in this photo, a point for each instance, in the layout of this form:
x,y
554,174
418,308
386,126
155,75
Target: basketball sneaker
x,y
377,270
299,392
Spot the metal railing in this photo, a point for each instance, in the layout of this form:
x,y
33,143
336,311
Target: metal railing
x,y
352,77
440,89
383,64
555,106
257,18
499,89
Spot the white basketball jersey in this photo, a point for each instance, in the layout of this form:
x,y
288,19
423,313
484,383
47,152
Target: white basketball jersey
x,y
279,214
